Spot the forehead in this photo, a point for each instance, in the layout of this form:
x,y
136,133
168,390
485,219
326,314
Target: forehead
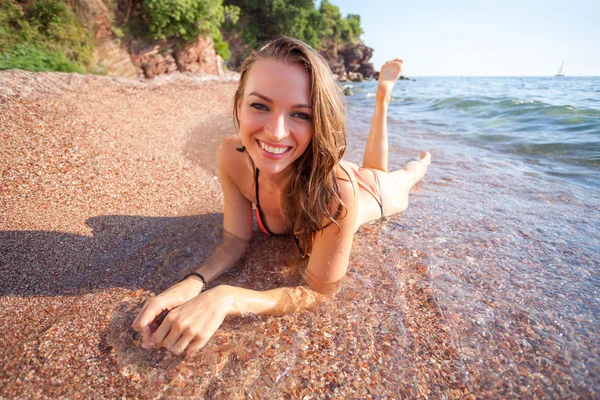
x,y
279,81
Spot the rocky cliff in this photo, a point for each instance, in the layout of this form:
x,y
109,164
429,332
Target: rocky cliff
x,y
350,61
122,55
118,54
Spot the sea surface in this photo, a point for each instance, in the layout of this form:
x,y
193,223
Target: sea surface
x,y
507,220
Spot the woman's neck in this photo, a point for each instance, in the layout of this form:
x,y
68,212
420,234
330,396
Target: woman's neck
x,y
275,179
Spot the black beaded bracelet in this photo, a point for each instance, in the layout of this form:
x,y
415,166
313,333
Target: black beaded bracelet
x,y
204,284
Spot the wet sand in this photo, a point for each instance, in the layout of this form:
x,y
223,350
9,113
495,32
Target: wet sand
x,y
109,195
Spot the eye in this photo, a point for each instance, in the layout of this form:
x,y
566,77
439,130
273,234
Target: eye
x,y
259,106
303,116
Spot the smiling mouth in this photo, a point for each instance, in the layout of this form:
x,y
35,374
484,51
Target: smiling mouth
x,y
273,150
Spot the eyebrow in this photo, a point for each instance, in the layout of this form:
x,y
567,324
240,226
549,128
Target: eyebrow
x,y
265,98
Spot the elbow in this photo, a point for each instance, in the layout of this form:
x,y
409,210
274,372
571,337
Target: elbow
x,y
297,299
326,288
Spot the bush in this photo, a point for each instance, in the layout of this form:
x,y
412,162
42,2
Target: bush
x,y
221,46
297,18
43,35
34,59
184,19
45,12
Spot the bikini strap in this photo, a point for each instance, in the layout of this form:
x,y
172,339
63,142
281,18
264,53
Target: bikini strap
x,y
260,214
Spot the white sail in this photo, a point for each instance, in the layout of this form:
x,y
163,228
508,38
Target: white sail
x,y
560,70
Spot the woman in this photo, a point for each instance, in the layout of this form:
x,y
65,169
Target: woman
x,y
286,159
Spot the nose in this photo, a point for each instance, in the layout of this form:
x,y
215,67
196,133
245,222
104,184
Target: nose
x,y
277,129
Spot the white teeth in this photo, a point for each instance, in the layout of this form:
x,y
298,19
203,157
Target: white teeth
x,y
273,150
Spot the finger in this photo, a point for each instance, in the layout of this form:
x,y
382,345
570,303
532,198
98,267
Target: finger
x,y
182,343
147,339
137,318
193,347
171,338
148,313
162,331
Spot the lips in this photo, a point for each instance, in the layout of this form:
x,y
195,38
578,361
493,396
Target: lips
x,y
273,150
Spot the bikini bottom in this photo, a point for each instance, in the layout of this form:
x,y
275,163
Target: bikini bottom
x,y
370,180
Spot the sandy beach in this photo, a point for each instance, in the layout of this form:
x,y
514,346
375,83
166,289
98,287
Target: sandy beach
x,y
109,194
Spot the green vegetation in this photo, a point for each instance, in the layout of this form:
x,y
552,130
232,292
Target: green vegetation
x,y
188,19
185,19
43,35
47,35
297,18
260,20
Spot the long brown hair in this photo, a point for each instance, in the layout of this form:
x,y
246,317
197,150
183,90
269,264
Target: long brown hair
x,y
311,188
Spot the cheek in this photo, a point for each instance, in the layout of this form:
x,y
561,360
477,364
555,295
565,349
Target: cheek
x,y
250,122
304,135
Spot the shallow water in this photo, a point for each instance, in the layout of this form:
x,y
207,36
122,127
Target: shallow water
x,y
550,123
512,254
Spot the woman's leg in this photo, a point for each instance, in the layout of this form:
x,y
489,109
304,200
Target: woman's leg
x,y
395,186
376,151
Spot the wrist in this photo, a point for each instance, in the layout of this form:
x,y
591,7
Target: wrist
x,y
198,278
194,285
228,299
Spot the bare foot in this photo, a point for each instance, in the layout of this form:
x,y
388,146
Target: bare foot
x,y
389,74
425,158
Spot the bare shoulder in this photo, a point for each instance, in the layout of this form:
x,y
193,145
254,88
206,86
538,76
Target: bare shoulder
x,y
349,195
229,159
236,166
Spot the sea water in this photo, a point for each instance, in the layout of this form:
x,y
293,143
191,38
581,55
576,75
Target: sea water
x,y
550,125
508,220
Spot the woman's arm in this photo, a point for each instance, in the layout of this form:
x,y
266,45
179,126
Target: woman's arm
x,y
237,233
189,326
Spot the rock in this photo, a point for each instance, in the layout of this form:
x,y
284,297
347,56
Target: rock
x,y
349,58
200,58
367,70
355,77
167,57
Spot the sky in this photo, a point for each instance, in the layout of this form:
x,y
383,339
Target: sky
x,y
482,38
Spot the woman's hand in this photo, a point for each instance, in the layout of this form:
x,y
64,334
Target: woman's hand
x,y
175,296
190,325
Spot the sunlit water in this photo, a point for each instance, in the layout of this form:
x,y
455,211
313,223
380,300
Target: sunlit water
x,y
487,285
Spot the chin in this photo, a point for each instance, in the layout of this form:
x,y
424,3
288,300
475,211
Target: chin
x,y
271,167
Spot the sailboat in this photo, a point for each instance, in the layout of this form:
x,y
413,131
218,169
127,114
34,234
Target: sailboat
x,y
560,70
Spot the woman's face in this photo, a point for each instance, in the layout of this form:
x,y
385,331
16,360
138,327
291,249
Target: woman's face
x,y
275,114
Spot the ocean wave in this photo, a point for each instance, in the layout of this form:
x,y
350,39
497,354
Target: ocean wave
x,y
490,106
557,122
